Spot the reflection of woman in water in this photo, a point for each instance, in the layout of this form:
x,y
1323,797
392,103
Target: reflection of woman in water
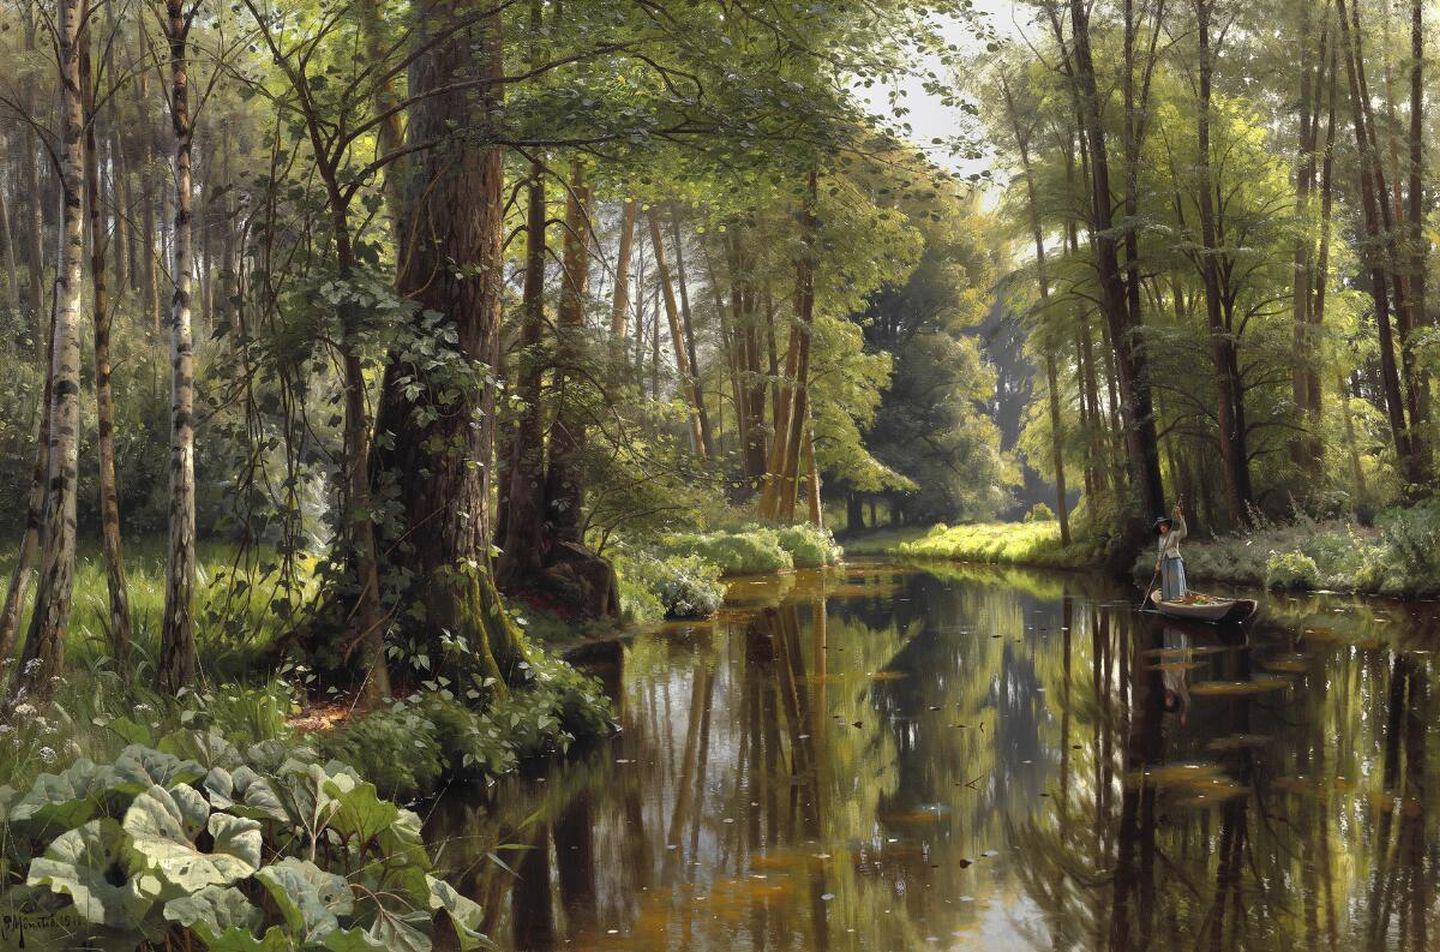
x,y
1170,531
1175,672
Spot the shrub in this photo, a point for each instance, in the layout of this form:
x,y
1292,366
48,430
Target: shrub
x,y
679,586
1040,513
218,851
810,547
748,552
1291,571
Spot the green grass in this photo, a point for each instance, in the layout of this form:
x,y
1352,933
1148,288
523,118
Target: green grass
x,y
1001,543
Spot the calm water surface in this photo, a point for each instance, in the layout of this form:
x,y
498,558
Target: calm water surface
x,y
888,757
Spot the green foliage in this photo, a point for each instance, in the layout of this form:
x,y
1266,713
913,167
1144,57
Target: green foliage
x,y
1040,513
810,547
674,586
1291,571
339,867
1030,543
748,552
408,745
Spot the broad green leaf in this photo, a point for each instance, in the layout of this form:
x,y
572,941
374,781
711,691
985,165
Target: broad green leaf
x,y
65,799
163,825
402,843
132,732
308,897
459,913
207,748
389,932
359,811
139,768
243,793
91,865
225,921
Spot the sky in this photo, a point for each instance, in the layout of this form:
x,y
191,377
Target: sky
x,y
929,117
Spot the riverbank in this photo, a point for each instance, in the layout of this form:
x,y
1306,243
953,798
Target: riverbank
x,y
1398,557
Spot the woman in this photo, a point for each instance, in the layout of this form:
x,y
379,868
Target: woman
x,y
1171,566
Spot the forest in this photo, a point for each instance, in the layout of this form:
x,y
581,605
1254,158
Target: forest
x,y
375,363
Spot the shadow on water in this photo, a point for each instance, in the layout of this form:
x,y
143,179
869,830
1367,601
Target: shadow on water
x,y
890,757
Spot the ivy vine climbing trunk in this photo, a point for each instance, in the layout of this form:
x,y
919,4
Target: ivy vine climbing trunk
x,y
177,632
44,654
435,431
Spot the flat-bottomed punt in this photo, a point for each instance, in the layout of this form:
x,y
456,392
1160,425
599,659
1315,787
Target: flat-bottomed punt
x,y
1206,608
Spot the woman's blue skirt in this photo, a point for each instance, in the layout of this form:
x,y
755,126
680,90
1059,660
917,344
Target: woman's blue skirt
x,y
1172,578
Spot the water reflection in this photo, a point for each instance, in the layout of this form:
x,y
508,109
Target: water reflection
x,y
891,758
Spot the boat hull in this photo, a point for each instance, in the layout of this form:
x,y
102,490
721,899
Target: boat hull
x,y
1216,612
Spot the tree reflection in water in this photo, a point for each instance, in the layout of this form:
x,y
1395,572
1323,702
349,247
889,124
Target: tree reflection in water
x,y
886,758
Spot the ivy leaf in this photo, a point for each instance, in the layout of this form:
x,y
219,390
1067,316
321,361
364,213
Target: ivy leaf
x,y
225,921
90,864
65,799
163,825
139,768
308,897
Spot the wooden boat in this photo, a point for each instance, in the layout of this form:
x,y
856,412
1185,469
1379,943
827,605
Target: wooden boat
x,y
1207,608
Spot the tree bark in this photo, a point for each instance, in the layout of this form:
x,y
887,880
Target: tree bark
x,y
685,324
119,629
689,383
1134,379
564,481
1379,282
177,634
620,300
7,252
1229,393
439,443
43,658
521,556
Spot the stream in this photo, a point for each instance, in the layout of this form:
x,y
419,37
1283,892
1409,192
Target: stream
x,y
890,757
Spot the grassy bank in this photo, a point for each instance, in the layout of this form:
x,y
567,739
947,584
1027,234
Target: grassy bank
x,y
1399,556
1000,543
679,575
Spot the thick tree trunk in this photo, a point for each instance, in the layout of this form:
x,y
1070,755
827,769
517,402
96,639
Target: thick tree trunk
x,y
1302,373
689,383
44,654
177,633
812,495
521,551
439,443
1134,378
119,623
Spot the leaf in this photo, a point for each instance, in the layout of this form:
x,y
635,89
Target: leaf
x,y
459,913
243,793
223,919
308,897
139,768
163,825
132,732
208,748
65,799
399,933
359,811
90,864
